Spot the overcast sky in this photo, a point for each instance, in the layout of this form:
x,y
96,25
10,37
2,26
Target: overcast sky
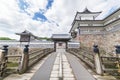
x,y
47,17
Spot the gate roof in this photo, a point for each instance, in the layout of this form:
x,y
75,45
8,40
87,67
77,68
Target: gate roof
x,y
61,37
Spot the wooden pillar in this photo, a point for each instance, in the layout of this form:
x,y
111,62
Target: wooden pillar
x,y
25,60
3,60
55,46
97,59
1,56
66,45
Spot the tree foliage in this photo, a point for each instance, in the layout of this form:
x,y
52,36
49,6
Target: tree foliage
x,y
5,38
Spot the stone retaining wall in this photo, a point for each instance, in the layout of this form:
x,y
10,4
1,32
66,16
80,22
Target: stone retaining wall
x,y
105,41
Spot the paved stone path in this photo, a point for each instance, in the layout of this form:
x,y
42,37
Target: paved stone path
x,y
61,69
80,72
43,73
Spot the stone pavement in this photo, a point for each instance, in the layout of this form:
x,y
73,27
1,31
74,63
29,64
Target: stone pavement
x,y
43,73
80,72
61,69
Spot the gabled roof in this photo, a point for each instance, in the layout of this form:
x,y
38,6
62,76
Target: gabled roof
x,y
26,32
61,37
86,11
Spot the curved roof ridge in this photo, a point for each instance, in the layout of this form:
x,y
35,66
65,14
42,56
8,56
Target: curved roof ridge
x,y
87,11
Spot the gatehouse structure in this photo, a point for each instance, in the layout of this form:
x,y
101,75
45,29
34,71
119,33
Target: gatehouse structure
x,y
62,58
61,40
89,31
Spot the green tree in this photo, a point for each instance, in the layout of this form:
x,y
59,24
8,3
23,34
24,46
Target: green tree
x,y
5,38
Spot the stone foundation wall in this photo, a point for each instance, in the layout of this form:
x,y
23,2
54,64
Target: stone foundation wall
x,y
89,40
105,41
112,39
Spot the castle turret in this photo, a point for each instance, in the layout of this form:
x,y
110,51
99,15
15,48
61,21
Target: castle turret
x,y
86,15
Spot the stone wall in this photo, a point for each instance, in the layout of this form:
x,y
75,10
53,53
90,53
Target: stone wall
x,y
105,41
89,40
112,39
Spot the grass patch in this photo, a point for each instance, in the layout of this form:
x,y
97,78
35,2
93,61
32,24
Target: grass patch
x,y
11,64
118,77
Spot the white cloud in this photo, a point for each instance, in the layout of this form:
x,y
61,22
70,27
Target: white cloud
x,y
35,5
62,12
